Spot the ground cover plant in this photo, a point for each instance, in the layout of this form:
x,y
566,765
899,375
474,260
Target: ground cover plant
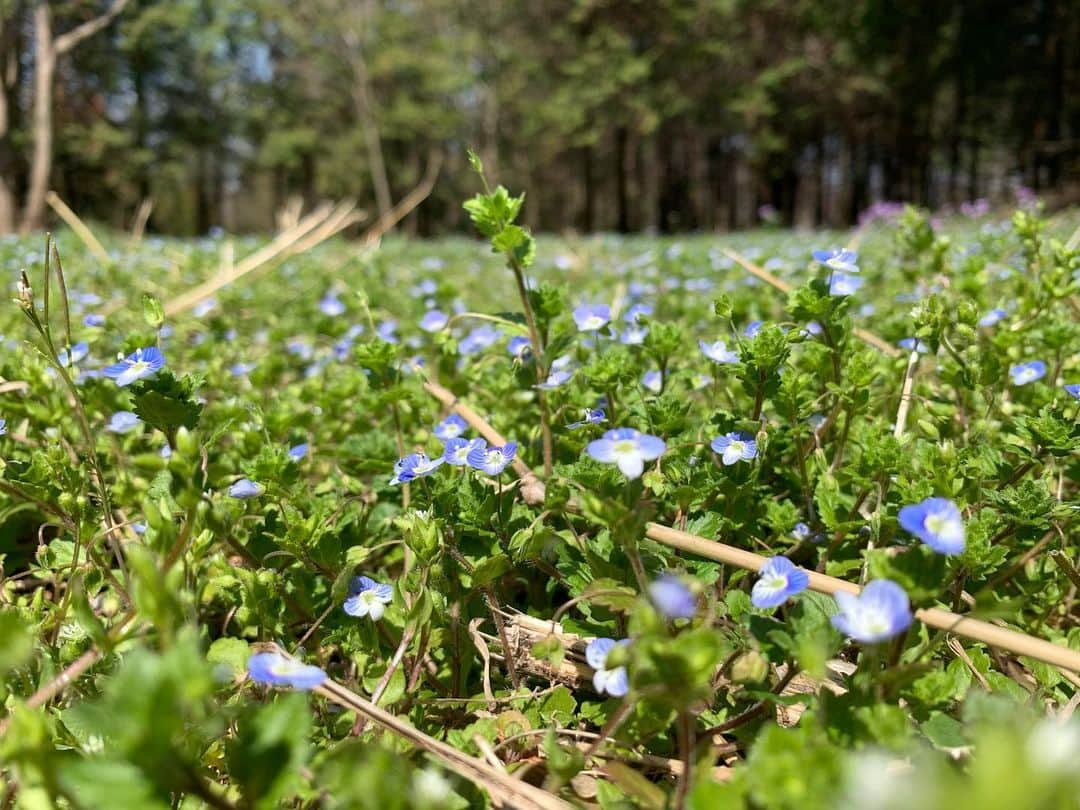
x,y
378,527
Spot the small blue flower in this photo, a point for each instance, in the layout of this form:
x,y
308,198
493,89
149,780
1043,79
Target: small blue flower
x,y
416,465
94,320
434,321
77,354
845,261
913,345
478,339
242,369
556,378
592,417
123,421
456,451
778,580
331,305
450,428
520,348
204,307
801,531
672,597
718,352
812,329
881,611
368,598
992,317
636,312
3,427
937,522
627,448
653,381
735,447
245,488
634,335
592,317
1073,390
387,331
298,452
274,668
492,460
753,328
614,682
165,451
138,365
1024,373
843,284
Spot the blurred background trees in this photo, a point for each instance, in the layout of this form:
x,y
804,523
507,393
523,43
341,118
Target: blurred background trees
x,y
614,114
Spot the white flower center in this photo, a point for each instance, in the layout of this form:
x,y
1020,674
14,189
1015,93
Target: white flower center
x,y
625,447
738,447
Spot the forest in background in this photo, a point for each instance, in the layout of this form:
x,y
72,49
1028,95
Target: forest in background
x,y
659,116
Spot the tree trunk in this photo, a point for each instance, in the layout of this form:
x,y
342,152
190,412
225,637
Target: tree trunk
x,y
41,162
372,140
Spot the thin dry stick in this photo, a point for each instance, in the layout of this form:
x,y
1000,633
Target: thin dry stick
x,y
1011,640
505,790
784,287
226,276
905,395
77,225
142,216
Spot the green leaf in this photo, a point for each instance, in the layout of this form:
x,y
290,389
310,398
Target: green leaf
x,y
16,641
230,652
153,313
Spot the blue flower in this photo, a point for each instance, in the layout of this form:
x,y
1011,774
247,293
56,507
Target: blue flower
x,y
519,347
556,378
636,312
614,682
801,531
1073,390
298,452
718,352
204,307
843,284
3,427
274,668
591,317
592,417
1024,373
245,488
753,328
450,428
812,329
634,335
242,369
627,448
77,354
416,465
165,451
456,451
672,597
368,598
434,321
778,580
331,305
653,380
479,339
123,421
937,522
838,259
992,317
387,331
94,320
735,447
138,365
880,611
492,460
913,345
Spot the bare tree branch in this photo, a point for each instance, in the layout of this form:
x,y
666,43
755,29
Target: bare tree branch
x,y
68,41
